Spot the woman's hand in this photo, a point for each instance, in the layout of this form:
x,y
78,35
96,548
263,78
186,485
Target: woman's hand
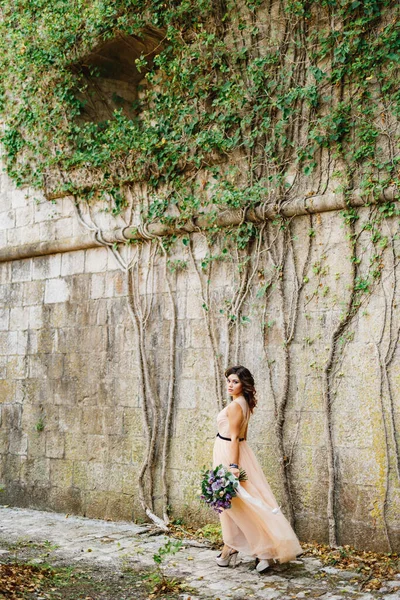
x,y
234,471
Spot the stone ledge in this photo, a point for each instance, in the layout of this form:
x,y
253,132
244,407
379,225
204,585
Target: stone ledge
x,y
229,218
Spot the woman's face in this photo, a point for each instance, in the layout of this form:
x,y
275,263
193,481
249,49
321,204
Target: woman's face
x,y
234,385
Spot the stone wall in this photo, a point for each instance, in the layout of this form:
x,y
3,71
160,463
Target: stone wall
x,y
72,434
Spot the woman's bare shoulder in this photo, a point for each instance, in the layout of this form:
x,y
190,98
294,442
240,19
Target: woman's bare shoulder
x,y
234,408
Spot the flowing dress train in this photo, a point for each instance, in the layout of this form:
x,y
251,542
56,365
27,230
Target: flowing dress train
x,y
251,525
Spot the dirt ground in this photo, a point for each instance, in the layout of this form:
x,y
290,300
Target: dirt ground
x,y
27,572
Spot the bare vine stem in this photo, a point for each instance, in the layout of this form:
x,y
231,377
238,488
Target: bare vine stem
x,y
205,296
170,392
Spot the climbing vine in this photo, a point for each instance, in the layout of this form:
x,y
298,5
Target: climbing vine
x,y
239,108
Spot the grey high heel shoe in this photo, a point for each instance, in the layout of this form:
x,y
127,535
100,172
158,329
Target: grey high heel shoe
x,y
225,562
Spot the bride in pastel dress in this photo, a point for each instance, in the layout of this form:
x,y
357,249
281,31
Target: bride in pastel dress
x,y
254,525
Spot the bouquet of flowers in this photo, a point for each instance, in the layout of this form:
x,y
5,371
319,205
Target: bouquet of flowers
x,y
219,486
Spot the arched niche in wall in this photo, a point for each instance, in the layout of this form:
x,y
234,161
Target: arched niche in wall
x,y
112,77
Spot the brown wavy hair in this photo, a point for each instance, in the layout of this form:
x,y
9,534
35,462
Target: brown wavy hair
x,y
247,381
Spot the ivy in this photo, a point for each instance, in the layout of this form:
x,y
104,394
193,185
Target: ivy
x,y
217,92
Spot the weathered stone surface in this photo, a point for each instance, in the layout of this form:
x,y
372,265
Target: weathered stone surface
x,y
69,354
56,291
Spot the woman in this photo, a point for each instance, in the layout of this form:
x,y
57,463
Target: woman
x,y
254,524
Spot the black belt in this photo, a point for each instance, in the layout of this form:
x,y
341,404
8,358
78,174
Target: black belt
x,y
228,439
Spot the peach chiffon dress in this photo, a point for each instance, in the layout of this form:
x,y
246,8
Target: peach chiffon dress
x,y
251,525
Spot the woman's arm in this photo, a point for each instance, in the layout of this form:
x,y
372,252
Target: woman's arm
x,y
235,417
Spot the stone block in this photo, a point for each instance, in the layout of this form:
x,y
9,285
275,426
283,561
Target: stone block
x,y
307,426
92,338
18,442
45,211
120,284
112,263
126,390
194,305
197,333
113,421
96,260
47,340
55,366
47,231
7,389
36,317
51,413
351,431
14,237
12,467
97,448
92,420
69,420
120,449
73,363
61,473
36,471
31,415
359,535
37,366
189,393
30,392
7,219
56,291
312,527
79,289
200,246
99,312
196,362
59,315
47,267
95,504
5,191
4,319
361,465
19,198
15,294
19,318
8,342
3,368
24,216
17,367
54,444
97,476
33,293
11,416
4,442
310,462
29,235
5,275
76,446
72,263
132,421
36,444
97,286
22,342
116,478
66,206
64,228
65,500
21,270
